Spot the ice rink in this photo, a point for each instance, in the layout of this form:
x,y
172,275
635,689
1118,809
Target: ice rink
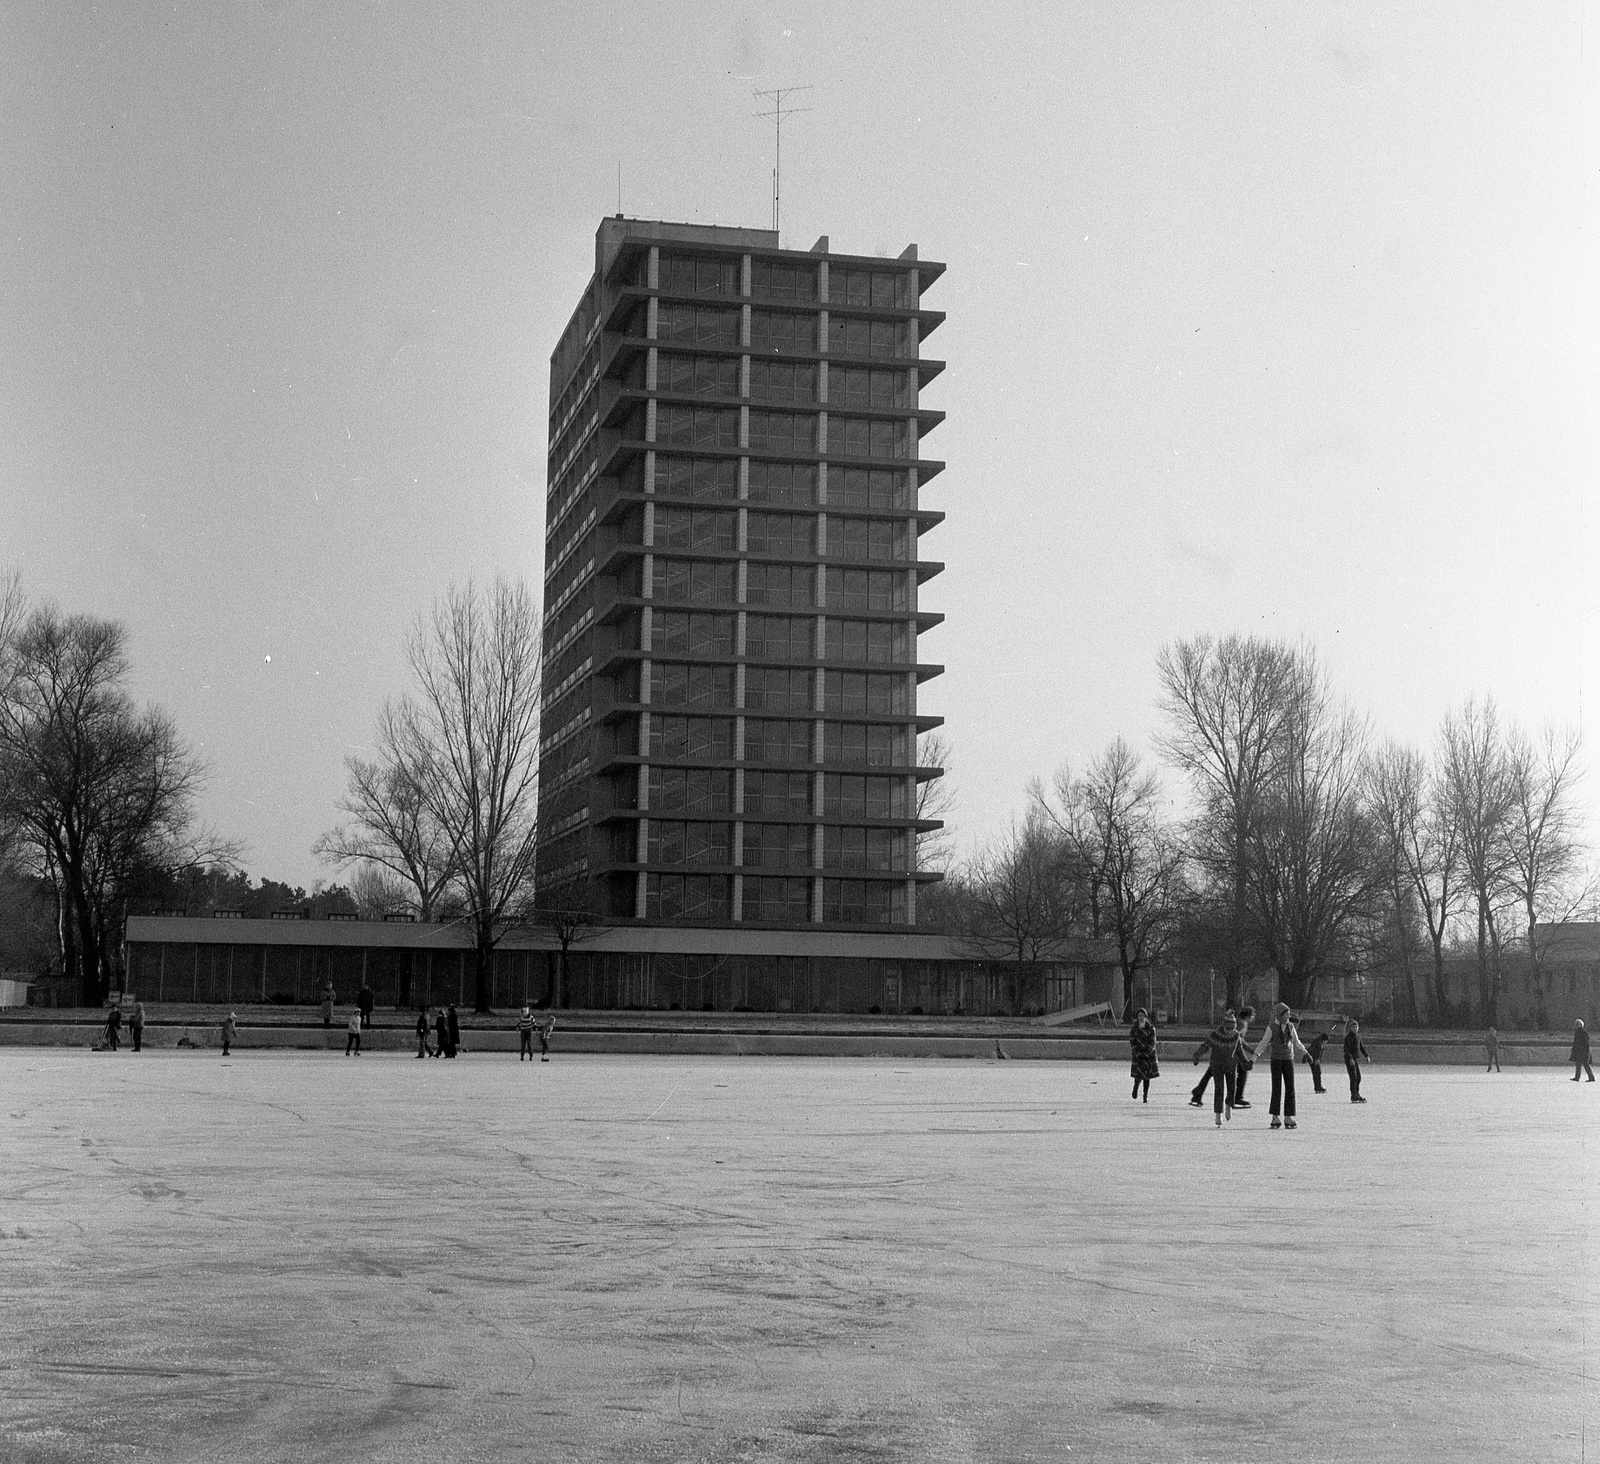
x,y
292,1256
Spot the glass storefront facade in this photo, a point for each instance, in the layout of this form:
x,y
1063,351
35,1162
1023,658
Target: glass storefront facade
x,y
733,581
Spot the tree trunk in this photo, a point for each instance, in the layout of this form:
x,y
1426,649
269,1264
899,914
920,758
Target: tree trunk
x,y
482,958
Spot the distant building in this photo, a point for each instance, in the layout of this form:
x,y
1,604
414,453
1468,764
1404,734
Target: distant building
x,y
732,576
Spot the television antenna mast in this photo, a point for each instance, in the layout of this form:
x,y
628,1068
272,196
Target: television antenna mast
x,y
778,113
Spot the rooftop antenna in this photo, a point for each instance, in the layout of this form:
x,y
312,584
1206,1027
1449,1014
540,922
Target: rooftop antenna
x,y
619,188
778,113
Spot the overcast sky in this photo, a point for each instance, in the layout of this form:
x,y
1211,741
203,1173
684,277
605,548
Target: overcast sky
x,y
1266,318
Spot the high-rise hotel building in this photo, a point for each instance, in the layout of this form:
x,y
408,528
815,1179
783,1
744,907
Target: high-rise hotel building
x,y
732,613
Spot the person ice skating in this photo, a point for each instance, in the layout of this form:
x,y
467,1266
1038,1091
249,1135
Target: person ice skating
x,y
1354,1053
422,1031
1491,1043
1223,1046
441,1035
1314,1045
1242,1070
1198,1092
1142,1039
1282,1041
364,1004
1579,1057
230,1030
455,1030
113,1028
136,1025
525,1034
545,1029
352,1033
327,1004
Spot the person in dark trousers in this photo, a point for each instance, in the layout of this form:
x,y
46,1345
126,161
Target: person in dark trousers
x,y
525,1034
1579,1057
441,1035
1198,1092
113,1028
352,1033
1282,1042
1223,1046
1142,1039
1314,1045
545,1029
1354,1053
328,999
364,1004
422,1031
136,1025
1242,1071
455,1031
1491,1043
230,1030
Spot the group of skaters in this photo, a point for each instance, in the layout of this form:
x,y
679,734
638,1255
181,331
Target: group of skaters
x,y
1230,1057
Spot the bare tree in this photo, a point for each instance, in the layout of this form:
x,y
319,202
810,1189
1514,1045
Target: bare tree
x,y
1111,822
1311,870
1475,774
390,823
1417,867
935,803
1226,703
1544,852
95,790
1017,899
471,736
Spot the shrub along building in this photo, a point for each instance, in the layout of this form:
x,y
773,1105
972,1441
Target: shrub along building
x,y
732,617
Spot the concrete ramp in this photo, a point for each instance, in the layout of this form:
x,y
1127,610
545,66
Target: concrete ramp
x,y
1100,1009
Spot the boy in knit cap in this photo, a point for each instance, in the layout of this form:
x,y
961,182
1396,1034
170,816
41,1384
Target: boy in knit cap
x,y
1224,1048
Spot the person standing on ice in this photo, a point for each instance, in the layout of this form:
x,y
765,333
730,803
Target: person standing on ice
x,y
1354,1051
1580,1051
1142,1038
1224,1047
1283,1042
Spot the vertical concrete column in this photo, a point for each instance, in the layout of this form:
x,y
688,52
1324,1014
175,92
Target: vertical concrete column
x,y
650,470
649,539
744,327
822,282
640,891
652,269
911,902
652,313
652,365
744,428
650,419
822,382
822,483
744,274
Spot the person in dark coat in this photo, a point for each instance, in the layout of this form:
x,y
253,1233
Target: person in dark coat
x,y
1246,1062
113,1027
1198,1092
1579,1057
136,1025
455,1031
1223,1046
422,1031
1142,1039
1354,1052
1491,1043
230,1030
364,1004
1314,1045
328,998
441,1034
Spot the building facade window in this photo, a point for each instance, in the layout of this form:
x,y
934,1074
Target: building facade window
x,y
692,477
687,896
692,581
781,742
777,846
690,739
672,841
681,274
